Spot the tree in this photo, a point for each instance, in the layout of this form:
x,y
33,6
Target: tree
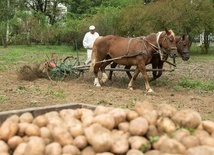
x,y
6,13
51,8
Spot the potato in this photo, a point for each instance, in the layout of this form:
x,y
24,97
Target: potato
x,y
141,107
88,151
20,149
76,130
80,142
172,146
190,141
3,147
130,114
88,121
161,139
9,128
70,149
26,117
61,135
187,118
54,118
150,116
152,131
45,134
85,113
32,130
35,146
106,120
124,126
179,134
101,110
137,142
22,127
165,110
119,115
208,126
120,144
105,153
153,152
40,121
99,137
201,150
67,113
209,141
14,141
53,149
164,124
134,152
201,134
138,126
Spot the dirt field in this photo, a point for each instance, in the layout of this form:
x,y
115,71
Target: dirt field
x,y
19,94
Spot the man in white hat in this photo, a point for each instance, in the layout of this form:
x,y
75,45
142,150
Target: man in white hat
x,y
88,42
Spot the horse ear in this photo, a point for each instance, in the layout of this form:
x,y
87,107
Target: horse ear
x,y
183,37
167,31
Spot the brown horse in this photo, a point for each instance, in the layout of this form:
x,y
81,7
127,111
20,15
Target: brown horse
x,y
131,52
183,47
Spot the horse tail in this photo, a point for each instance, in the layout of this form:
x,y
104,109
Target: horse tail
x,y
93,60
94,54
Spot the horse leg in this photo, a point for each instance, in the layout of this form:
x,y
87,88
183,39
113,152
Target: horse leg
x,y
128,72
113,65
102,68
154,73
96,70
142,69
160,66
133,78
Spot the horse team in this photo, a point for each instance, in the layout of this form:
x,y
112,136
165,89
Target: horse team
x,y
152,49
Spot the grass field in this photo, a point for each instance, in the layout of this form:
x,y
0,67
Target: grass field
x,y
12,57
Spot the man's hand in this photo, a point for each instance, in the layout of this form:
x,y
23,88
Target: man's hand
x,y
90,47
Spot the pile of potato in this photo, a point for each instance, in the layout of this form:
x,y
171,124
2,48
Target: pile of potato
x,y
143,130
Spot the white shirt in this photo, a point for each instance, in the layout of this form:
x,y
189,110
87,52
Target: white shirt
x,y
89,38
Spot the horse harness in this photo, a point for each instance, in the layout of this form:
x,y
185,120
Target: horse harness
x,y
143,39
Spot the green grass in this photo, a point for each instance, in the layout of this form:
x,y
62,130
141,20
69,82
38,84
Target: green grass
x,y
197,55
200,84
34,54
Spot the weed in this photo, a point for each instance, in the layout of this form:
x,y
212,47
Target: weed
x,y
101,102
3,68
34,101
143,148
196,84
3,98
179,88
153,139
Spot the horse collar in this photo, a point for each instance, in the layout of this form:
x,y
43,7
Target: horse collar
x,y
158,37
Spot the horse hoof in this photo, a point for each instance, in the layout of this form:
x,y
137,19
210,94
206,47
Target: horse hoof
x,y
97,84
130,88
150,91
104,80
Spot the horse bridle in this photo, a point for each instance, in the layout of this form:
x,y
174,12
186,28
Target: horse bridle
x,y
181,43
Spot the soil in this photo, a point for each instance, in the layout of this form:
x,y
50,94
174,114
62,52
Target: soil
x,y
21,90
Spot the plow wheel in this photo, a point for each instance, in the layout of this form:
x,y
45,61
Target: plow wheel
x,y
69,62
55,70
55,74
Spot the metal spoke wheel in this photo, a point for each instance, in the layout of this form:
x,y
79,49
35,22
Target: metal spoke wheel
x,y
69,62
56,74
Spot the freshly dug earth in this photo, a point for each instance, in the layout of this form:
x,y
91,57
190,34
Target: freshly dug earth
x,y
18,92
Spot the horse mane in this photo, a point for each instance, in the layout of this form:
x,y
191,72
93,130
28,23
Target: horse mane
x,y
171,33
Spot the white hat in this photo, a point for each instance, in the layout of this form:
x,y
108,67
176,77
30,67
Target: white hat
x,y
92,27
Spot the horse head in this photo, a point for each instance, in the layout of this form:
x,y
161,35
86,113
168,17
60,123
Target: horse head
x,y
166,42
183,45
